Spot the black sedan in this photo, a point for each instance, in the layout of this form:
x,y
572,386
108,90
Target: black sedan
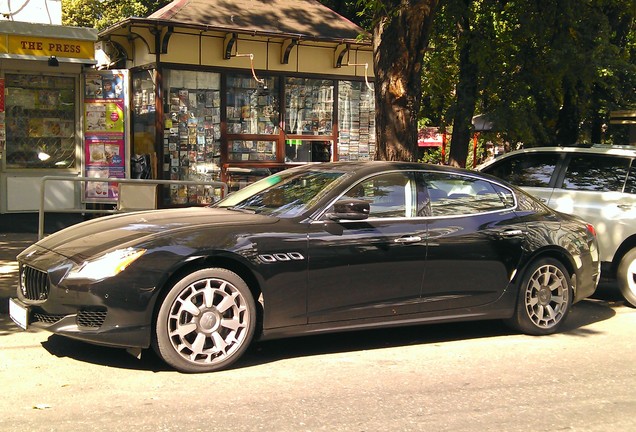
x,y
318,248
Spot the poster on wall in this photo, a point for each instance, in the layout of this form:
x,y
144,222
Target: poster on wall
x,y
104,133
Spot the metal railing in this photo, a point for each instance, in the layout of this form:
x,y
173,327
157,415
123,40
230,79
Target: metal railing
x,y
214,184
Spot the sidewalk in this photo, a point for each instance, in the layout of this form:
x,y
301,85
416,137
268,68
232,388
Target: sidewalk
x,y
11,244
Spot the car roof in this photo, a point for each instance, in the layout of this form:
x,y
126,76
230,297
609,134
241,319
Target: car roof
x,y
363,167
615,150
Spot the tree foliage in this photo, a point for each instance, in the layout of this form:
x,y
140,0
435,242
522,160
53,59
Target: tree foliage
x,y
547,72
544,72
102,14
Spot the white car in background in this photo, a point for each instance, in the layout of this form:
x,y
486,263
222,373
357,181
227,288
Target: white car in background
x,y
596,183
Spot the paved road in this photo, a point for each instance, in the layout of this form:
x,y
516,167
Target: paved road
x,y
459,377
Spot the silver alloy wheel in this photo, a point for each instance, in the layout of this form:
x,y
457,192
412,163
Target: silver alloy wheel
x,y
208,321
626,277
546,296
631,276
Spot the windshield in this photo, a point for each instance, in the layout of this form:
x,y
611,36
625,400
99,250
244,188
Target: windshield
x,y
286,194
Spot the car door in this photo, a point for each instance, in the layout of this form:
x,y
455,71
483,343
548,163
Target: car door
x,y
474,242
596,188
370,268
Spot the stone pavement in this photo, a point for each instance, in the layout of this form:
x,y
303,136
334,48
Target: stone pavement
x,y
11,244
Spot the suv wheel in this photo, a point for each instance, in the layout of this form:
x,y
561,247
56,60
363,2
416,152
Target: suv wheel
x,y
626,277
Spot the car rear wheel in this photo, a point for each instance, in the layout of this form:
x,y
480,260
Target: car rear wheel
x,y
626,277
544,299
206,321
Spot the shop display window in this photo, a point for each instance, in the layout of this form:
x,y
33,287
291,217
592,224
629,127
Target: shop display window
x,y
307,151
309,106
252,107
143,124
239,150
356,121
40,120
192,135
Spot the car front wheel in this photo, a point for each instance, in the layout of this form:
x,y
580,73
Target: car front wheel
x,y
626,277
544,298
206,321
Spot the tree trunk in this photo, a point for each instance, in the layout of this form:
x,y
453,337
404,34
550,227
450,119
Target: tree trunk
x,y
400,38
466,94
567,132
598,120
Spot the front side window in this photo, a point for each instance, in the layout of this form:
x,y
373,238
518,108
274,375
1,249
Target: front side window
x,y
596,173
454,195
389,195
526,169
40,121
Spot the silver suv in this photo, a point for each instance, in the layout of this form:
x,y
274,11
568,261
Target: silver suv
x,y
596,183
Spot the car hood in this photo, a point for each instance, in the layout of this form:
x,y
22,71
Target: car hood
x,y
93,237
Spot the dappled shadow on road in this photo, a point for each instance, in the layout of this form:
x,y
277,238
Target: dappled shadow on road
x,y
583,314
7,326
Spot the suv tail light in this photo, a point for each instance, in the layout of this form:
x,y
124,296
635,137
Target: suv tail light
x,y
590,229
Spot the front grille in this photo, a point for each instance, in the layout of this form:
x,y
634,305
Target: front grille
x,y
46,318
34,283
91,318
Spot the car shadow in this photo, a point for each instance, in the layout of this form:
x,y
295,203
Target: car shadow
x,y
61,347
582,315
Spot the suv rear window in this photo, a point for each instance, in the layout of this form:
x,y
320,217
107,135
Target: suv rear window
x,y
527,169
596,173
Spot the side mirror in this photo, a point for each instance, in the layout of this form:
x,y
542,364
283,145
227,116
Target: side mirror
x,y
350,209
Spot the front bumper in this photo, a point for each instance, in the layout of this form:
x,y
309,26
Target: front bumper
x,y
88,325
113,312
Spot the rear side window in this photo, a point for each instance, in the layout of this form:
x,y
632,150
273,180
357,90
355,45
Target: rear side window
x,y
598,173
455,195
526,169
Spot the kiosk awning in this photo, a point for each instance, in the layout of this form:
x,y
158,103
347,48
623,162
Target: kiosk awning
x,y
30,41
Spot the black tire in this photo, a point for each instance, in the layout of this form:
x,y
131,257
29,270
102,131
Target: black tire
x,y
545,298
626,277
205,322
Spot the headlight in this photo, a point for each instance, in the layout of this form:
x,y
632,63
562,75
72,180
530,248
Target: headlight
x,y
106,266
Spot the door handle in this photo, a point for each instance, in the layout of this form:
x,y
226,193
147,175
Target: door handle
x,y
410,239
511,233
624,206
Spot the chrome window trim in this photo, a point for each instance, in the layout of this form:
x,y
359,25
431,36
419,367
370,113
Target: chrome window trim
x,y
319,218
